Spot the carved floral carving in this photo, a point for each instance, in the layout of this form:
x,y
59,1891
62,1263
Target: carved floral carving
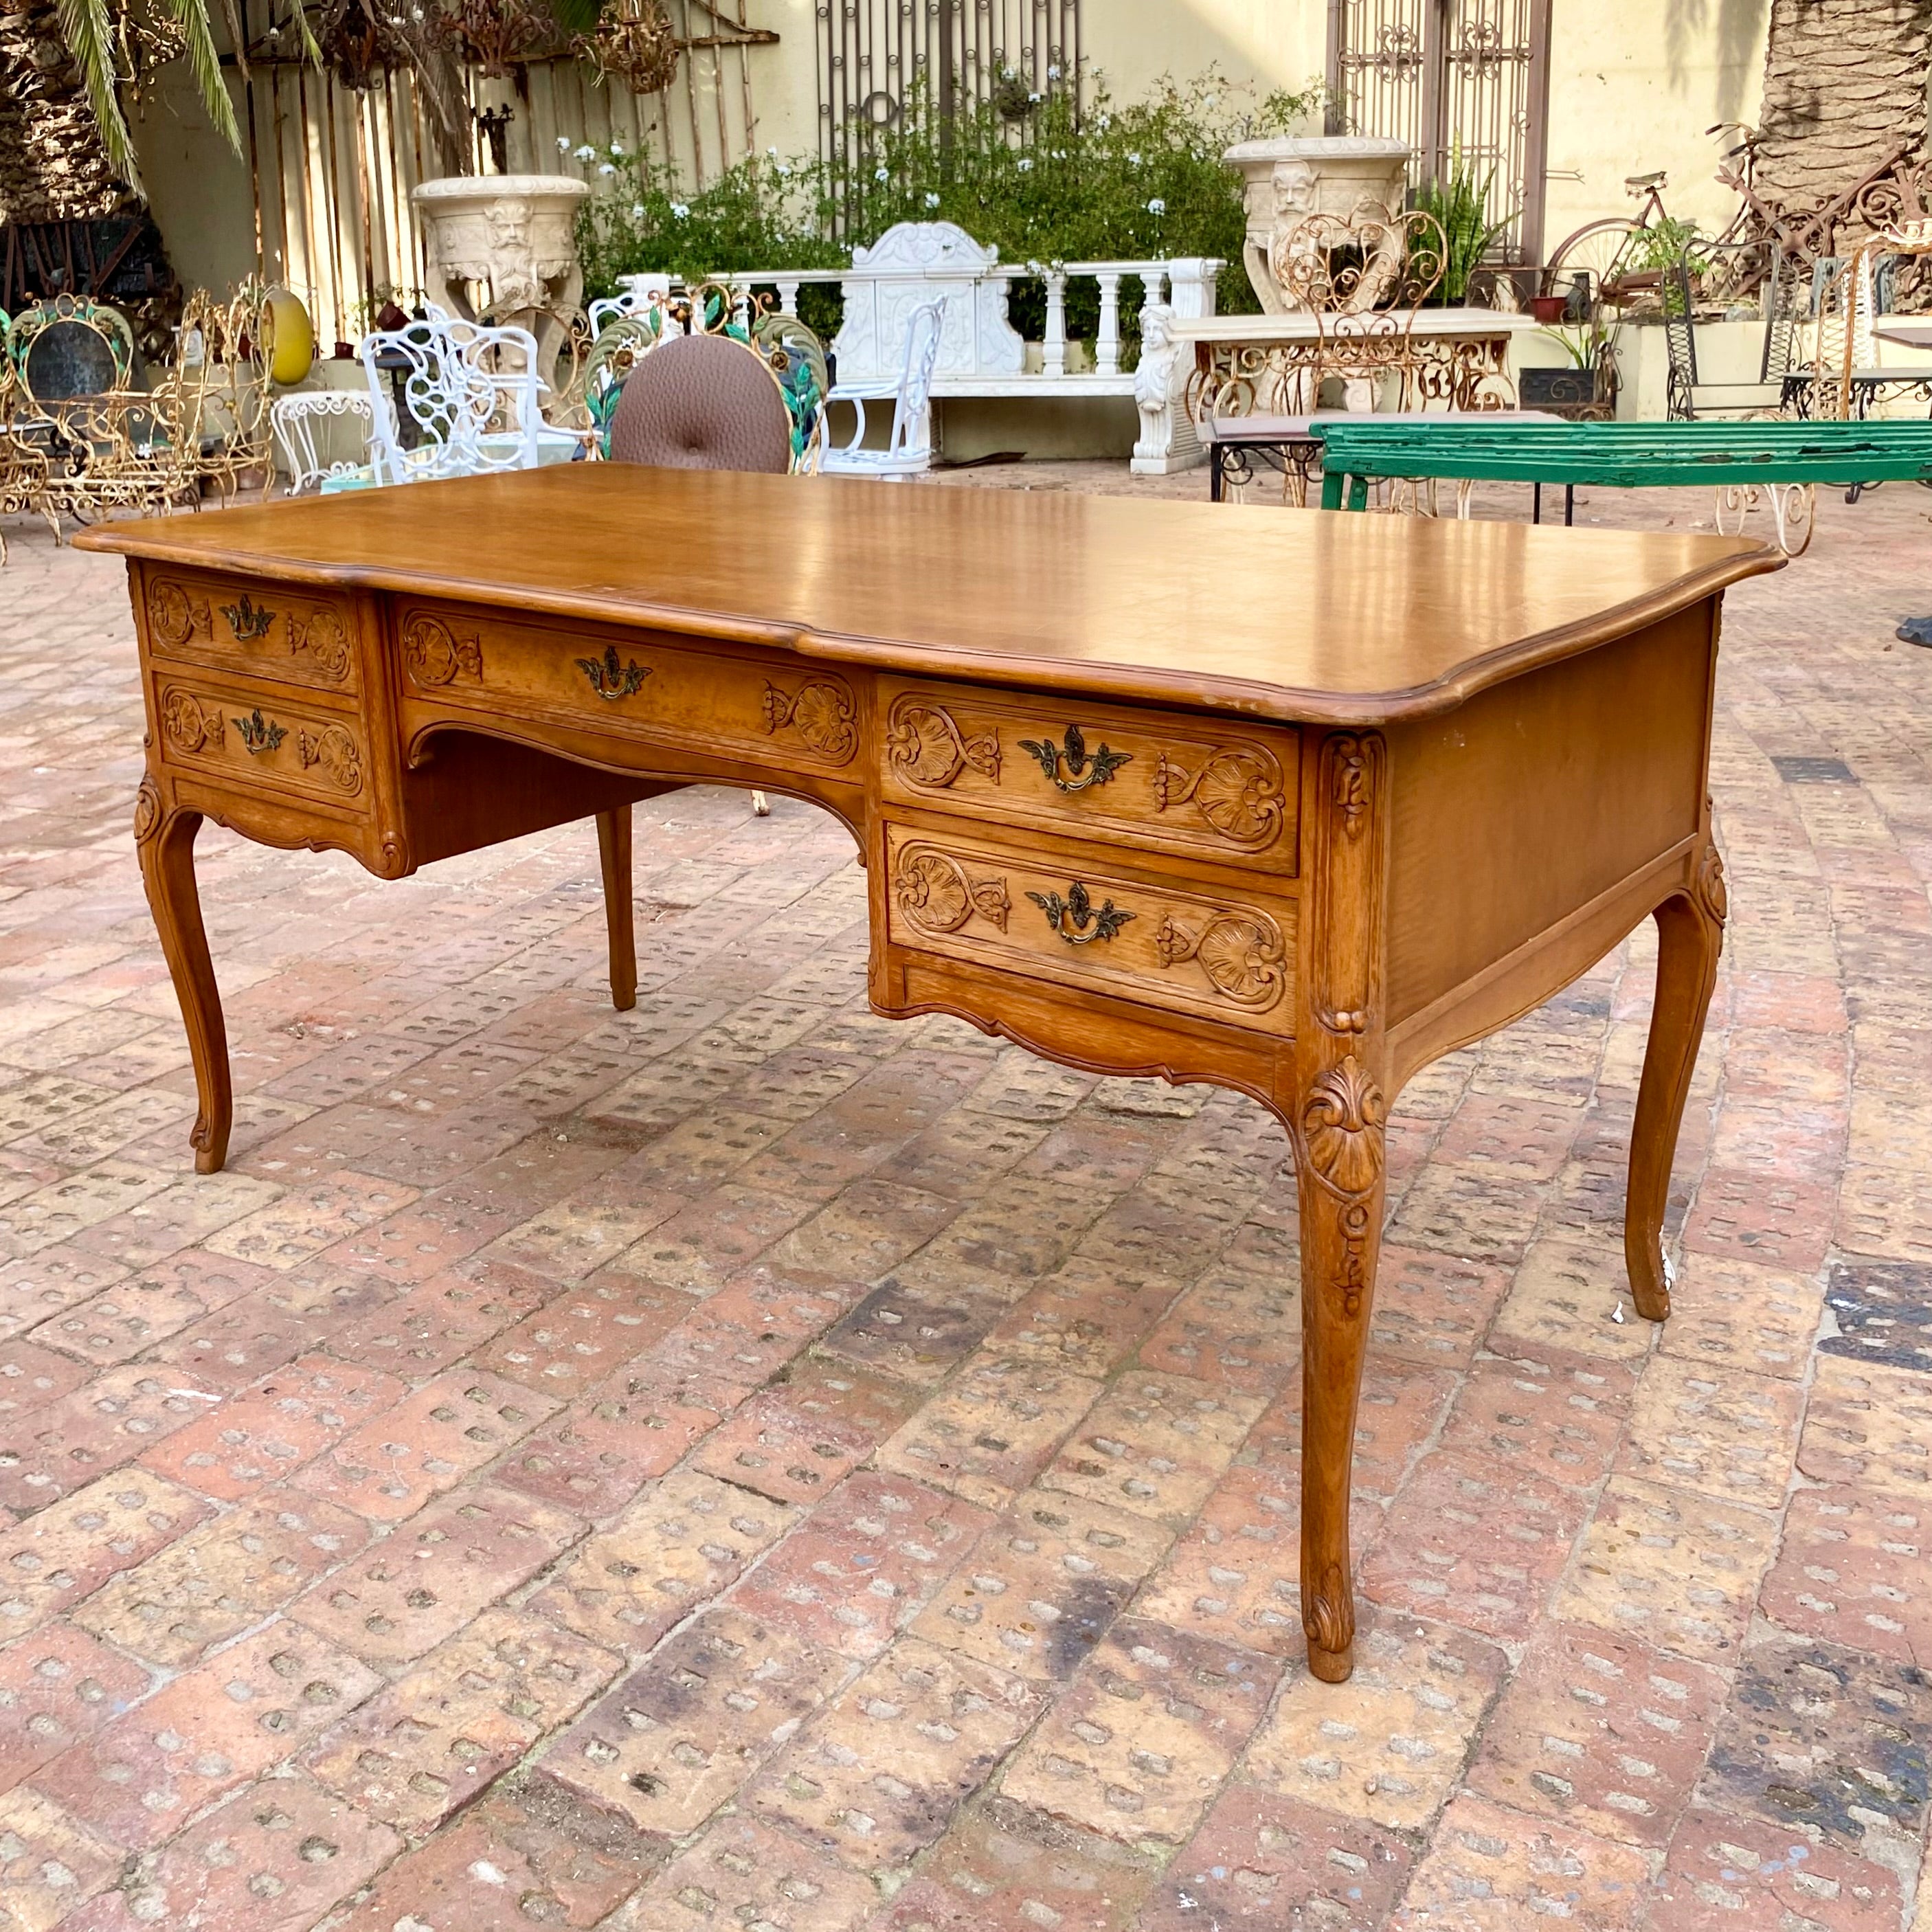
x,y
335,754
321,636
433,653
147,811
938,894
1341,1123
174,615
926,746
186,725
1328,1617
1708,884
1242,953
821,711
1351,781
1239,792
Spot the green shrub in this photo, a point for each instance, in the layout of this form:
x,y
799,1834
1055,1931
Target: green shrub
x,y
1461,204
1043,180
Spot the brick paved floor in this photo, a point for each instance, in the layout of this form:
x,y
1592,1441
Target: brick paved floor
x,y
741,1464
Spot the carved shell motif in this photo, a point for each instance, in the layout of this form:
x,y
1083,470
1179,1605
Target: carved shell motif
x,y
185,724
432,654
1327,1618
821,713
1341,1125
321,636
1242,954
1239,792
937,893
924,745
173,615
335,753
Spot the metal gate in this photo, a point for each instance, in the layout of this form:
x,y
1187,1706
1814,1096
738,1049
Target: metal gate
x,y
1467,77
874,54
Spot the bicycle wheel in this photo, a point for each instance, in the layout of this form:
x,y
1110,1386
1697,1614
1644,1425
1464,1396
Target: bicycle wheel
x,y
1599,250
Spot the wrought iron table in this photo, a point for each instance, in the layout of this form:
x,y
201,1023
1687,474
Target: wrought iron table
x,y
1294,805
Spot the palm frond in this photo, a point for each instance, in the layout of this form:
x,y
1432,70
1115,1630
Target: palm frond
x,y
577,16
89,35
205,63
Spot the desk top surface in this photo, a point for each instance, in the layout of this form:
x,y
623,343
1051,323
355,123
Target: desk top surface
x,y
1330,617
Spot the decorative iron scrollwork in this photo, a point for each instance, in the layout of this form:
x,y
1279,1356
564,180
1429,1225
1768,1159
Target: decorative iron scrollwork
x,y
612,680
1239,792
259,733
1242,954
1084,769
321,636
925,746
1078,907
937,894
432,654
822,713
248,619
335,753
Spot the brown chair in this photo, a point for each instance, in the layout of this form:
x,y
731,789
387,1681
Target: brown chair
x,y
702,402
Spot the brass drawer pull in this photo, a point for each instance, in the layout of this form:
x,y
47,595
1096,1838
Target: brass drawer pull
x,y
247,619
259,733
1071,752
1105,919
611,680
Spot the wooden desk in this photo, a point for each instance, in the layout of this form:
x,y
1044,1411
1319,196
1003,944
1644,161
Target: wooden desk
x,y
1293,804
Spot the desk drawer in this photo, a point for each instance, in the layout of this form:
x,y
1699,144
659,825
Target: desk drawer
x,y
295,637
713,699
251,737
1154,780
1108,929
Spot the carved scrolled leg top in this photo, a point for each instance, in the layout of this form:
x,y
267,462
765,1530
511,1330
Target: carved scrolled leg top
x,y
164,843
1690,938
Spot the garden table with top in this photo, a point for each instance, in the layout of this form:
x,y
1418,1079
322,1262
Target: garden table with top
x,y
1292,805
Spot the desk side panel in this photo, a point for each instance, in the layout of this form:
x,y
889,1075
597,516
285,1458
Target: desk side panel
x,y
1517,810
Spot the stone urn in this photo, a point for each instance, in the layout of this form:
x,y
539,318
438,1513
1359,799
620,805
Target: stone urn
x,y
506,244
1286,180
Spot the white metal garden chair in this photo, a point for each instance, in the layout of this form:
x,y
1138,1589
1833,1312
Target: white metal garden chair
x,y
909,450
303,434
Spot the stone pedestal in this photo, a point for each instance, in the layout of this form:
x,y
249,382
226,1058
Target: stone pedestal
x,y
506,244
1288,179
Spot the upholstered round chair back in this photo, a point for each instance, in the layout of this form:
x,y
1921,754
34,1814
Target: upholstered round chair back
x,y
702,402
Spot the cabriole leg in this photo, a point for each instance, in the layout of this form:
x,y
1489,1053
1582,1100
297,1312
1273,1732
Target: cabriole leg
x,y
164,841
1689,935
614,849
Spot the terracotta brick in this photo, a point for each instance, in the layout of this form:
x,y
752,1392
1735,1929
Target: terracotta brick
x,y
390,1465
1601,1733
447,1729
744,1872
147,1307
1263,1861
30,1377
742,1335
698,1248
1003,1868
263,1435
679,1736
1233,1328
1720,1432
1137,1745
49,1863
1489,1867
57,1687
1669,1568
1560,1415
680,1545
220,1579
1740,1315
304,1220
1040,1588
33,1287
55,1559
1474,1541
419,1242
1154,1445
98,1427
583,1336
274,1858
863,1564
918,1336
1870,1424
794,1441
1574,1295
1080,1319
1731,1874
1235,1573
874,1777
421,1584
204,1734
537,1856
1848,1571
1391,1750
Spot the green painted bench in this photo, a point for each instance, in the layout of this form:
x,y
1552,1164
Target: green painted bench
x,y
1786,461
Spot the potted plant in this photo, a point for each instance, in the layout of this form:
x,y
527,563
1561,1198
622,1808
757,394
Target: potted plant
x,y
1584,387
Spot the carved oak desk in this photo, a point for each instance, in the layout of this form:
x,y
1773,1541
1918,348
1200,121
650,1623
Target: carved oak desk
x,y
1291,803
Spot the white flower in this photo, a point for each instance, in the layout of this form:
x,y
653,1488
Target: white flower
x,y
1103,122
637,211
784,171
606,169
1033,100
932,201
773,152
1053,74
1133,159
616,151
681,211
563,144
1156,206
1026,164
586,152
880,174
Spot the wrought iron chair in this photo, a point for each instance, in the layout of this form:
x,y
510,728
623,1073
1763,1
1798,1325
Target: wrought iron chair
x,y
299,419
1688,396
908,451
